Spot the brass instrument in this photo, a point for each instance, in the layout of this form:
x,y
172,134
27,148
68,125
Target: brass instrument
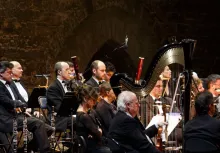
x,y
46,76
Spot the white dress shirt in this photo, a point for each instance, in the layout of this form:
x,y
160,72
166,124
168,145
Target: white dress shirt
x,y
9,88
63,85
22,91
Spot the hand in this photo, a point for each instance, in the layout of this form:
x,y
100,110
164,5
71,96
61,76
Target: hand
x,y
28,110
37,114
160,123
21,104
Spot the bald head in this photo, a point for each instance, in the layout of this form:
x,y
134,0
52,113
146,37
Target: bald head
x,y
62,70
17,70
98,70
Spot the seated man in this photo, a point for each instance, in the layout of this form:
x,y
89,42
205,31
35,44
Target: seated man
x,y
9,99
55,95
203,125
127,130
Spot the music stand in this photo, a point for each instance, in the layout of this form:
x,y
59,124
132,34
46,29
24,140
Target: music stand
x,y
33,99
68,107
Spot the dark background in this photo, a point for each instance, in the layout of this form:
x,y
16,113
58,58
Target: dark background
x,y
38,33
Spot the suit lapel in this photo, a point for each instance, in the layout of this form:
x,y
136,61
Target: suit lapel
x,y
6,90
60,86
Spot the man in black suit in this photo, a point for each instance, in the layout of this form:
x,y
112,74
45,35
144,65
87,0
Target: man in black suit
x,y
153,106
9,99
127,130
17,73
203,125
98,74
56,92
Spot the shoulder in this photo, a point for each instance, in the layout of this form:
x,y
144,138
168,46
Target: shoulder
x,y
54,84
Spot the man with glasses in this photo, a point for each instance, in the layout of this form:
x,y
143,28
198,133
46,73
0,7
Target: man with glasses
x,y
203,125
127,130
153,101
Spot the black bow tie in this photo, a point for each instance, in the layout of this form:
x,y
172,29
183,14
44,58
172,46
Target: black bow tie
x,y
65,82
7,83
16,80
158,99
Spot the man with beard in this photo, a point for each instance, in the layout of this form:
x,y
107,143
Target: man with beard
x,y
98,74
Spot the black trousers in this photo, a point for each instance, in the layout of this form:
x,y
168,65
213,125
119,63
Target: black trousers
x,y
40,131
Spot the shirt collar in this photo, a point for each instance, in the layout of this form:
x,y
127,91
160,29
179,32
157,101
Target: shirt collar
x,y
96,80
60,80
3,81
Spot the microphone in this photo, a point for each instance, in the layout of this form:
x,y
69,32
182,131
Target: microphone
x,y
42,75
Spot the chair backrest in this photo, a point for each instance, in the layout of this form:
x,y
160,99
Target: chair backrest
x,y
42,100
82,146
198,145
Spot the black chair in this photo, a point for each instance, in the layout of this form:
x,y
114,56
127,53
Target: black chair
x,y
7,146
81,144
198,145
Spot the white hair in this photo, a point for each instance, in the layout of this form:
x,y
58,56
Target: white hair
x,y
125,97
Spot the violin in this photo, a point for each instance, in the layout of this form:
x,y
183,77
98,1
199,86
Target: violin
x,y
159,144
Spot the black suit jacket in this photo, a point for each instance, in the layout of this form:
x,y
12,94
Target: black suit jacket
x,y
93,83
7,107
129,133
55,94
16,90
105,113
204,127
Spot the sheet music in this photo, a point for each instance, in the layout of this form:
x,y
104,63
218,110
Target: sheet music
x,y
173,120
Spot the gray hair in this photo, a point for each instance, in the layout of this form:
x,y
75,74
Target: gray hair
x,y
125,97
58,67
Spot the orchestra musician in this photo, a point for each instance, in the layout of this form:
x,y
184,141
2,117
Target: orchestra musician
x,y
213,81
86,125
110,70
17,72
166,76
203,125
98,69
9,99
155,98
197,87
105,109
55,94
72,70
127,130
